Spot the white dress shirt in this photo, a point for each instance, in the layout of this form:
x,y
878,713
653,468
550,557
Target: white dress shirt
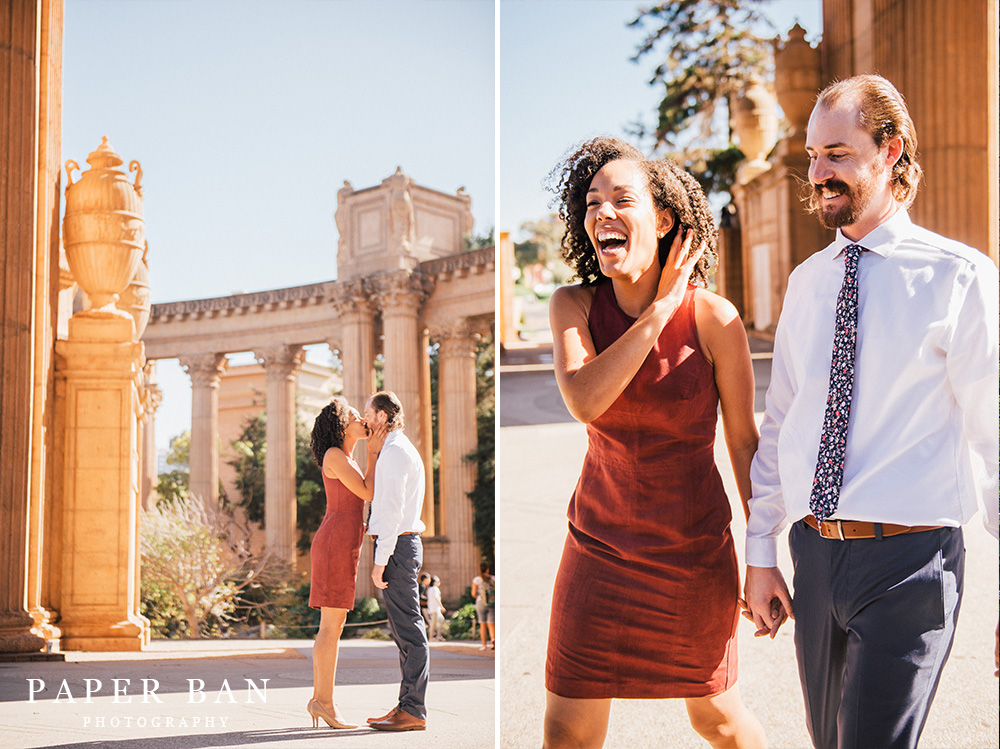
x,y
399,494
922,441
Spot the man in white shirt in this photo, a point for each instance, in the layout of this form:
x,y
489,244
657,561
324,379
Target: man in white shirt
x,y
881,419
395,524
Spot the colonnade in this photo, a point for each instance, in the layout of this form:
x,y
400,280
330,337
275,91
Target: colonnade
x,y
382,313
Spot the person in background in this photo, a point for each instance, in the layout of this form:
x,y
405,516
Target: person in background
x,y
435,610
484,591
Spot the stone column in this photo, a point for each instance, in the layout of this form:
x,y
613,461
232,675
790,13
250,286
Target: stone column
x,y
102,367
18,60
281,364
400,295
457,439
204,371
428,515
356,316
152,397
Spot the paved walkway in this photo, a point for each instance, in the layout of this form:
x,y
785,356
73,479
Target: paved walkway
x,y
539,453
460,698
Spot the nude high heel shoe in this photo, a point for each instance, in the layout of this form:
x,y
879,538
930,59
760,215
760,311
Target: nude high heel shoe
x,y
317,711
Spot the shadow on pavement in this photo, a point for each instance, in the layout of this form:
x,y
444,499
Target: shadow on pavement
x,y
234,738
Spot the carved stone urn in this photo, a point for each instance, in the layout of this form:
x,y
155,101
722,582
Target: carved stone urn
x,y
135,298
797,77
103,229
755,122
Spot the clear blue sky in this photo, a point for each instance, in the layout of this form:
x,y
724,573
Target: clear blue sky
x,y
565,75
248,116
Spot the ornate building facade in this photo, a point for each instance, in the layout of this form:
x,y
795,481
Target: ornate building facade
x,y
78,394
942,56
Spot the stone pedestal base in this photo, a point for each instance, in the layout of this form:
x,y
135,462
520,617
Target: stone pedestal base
x,y
15,636
102,366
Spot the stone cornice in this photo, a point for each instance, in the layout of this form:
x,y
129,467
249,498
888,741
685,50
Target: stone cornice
x,y
223,306
464,264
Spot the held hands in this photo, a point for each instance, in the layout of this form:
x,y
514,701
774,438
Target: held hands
x,y
377,577
677,270
767,602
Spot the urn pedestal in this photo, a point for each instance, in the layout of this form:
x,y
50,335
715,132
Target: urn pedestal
x,y
102,369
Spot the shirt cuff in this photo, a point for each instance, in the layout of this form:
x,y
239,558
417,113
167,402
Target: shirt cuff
x,y
383,550
762,552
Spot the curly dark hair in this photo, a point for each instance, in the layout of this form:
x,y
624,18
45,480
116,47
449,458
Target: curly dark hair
x,y
329,428
670,186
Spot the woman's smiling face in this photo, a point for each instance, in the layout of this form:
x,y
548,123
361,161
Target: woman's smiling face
x,y
622,222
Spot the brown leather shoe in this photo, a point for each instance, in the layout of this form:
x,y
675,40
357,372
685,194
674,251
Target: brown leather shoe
x,y
401,721
384,717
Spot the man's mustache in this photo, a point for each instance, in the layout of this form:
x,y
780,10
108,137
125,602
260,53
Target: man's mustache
x,y
831,184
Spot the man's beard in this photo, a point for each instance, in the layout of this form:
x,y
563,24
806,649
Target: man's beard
x,y
857,201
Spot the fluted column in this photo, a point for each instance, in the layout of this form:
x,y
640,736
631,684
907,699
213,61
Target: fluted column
x,y
427,514
356,316
457,439
152,397
18,57
204,371
281,365
400,295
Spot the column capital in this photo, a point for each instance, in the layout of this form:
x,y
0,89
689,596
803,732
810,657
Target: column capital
x,y
280,360
457,338
204,369
402,290
351,299
152,397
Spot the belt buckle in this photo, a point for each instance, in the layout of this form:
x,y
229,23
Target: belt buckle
x,y
840,529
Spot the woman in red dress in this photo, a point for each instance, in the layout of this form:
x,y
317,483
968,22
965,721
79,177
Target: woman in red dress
x,y
337,543
645,601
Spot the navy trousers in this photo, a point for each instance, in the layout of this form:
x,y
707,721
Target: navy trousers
x,y
402,603
874,624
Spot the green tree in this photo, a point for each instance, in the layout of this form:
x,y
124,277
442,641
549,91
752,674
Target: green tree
x,y
174,485
478,241
484,492
249,454
309,492
249,461
710,53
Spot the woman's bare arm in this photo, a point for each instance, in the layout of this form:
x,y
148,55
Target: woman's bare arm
x,y
724,343
591,382
337,466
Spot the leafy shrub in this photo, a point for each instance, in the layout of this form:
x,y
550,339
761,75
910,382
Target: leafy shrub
x,y
461,626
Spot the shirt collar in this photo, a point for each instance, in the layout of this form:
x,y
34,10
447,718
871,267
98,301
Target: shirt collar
x,y
392,437
881,240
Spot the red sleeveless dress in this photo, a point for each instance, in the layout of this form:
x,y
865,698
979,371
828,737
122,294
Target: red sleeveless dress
x,y
336,547
644,603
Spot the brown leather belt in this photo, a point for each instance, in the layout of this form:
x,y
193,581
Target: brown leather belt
x,y
404,533
844,530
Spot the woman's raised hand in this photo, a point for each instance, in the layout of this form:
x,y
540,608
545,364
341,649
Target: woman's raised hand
x,y
680,263
376,437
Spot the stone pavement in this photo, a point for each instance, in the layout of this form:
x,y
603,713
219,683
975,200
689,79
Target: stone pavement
x,y
460,697
539,453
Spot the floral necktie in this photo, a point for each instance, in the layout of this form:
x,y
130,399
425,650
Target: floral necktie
x,y
833,443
